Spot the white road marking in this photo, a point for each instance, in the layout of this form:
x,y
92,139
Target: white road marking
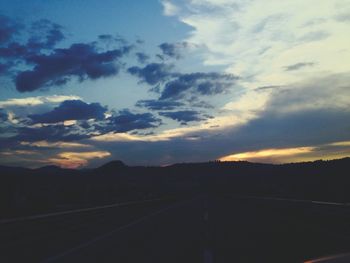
x,y
327,203
5,221
294,200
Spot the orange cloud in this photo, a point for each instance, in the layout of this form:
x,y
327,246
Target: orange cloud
x,y
43,144
77,159
328,151
268,154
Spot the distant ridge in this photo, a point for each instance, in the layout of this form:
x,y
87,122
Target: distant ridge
x,y
112,166
50,168
119,165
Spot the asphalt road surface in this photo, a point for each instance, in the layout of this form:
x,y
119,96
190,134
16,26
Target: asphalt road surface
x,y
203,229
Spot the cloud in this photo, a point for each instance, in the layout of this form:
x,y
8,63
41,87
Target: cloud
x,y
320,93
267,154
43,35
255,39
55,145
175,85
159,104
298,66
311,112
142,57
51,133
298,154
66,123
198,83
8,29
169,9
77,159
343,17
71,110
14,51
34,101
83,61
202,104
306,127
315,36
152,73
43,65
173,50
4,67
3,115
183,116
307,114
292,130
126,121
46,35
112,39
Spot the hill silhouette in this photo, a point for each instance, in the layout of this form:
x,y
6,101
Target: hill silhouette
x,y
27,191
111,166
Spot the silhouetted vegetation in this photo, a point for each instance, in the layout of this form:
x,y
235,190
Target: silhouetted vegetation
x,y
28,191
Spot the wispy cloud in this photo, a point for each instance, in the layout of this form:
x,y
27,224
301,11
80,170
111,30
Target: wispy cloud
x,y
258,38
34,101
46,144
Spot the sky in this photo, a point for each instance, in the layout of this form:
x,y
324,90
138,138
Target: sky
x,y
159,82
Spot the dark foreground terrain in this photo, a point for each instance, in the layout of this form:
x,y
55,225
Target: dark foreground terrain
x,y
211,212
200,229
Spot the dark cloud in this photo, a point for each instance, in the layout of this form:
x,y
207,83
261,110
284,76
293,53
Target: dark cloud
x,y
113,39
153,73
126,121
8,29
183,116
142,57
299,66
159,104
202,104
303,128
50,66
174,86
79,60
106,37
197,83
49,126
51,133
46,35
4,67
3,115
14,50
173,50
71,110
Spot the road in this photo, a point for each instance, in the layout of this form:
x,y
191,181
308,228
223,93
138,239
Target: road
x,y
205,229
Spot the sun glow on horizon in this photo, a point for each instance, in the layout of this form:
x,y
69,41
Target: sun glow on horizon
x,y
267,153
